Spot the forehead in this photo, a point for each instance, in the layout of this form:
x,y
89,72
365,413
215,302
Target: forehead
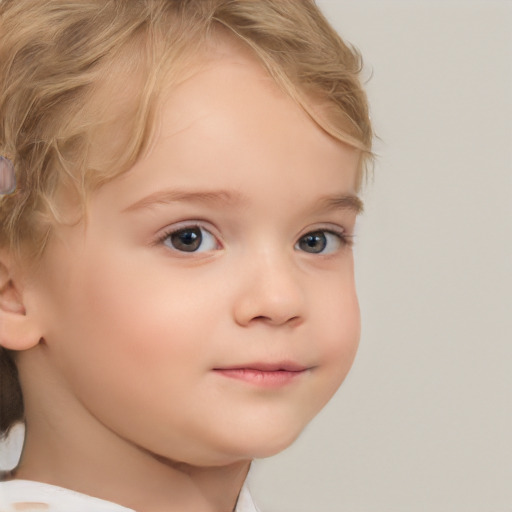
x,y
227,124
228,86
222,72
232,98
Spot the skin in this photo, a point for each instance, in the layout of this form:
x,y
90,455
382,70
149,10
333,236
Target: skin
x,y
123,392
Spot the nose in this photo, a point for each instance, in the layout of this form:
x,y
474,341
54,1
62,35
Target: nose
x,y
270,292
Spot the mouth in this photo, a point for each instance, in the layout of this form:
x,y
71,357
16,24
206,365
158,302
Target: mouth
x,y
270,375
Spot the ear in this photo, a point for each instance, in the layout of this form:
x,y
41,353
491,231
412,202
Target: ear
x,y
18,331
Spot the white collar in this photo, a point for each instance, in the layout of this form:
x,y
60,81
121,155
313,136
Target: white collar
x,y
50,498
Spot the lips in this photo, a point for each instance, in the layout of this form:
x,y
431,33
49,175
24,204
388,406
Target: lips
x,y
265,374
286,366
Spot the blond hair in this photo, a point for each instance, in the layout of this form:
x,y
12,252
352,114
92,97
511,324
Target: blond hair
x,y
64,69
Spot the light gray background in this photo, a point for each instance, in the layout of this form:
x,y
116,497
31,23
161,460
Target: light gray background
x,y
424,420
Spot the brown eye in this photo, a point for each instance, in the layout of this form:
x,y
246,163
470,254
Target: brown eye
x,y
321,242
188,240
313,242
191,239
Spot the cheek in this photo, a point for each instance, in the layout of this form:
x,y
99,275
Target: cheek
x,y
129,339
340,328
342,324
141,314
123,322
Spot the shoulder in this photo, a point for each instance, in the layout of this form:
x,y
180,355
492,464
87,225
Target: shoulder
x,y
29,496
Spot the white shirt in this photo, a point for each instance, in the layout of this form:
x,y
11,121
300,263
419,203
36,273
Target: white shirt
x,y
29,496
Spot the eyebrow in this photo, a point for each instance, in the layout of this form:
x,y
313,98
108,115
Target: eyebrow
x,y
233,198
164,197
348,202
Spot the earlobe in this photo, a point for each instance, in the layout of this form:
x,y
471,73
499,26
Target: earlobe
x,y
17,329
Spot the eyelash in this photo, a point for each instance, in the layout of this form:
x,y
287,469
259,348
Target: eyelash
x,y
345,240
183,229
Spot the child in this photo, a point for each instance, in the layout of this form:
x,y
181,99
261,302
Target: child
x,y
176,274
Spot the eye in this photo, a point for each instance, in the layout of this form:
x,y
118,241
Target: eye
x,y
321,242
191,239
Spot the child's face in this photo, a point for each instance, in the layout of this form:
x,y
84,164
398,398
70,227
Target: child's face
x,y
223,249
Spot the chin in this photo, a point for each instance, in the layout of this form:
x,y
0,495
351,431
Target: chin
x,y
268,442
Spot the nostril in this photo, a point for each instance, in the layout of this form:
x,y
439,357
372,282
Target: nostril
x,y
277,320
294,321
